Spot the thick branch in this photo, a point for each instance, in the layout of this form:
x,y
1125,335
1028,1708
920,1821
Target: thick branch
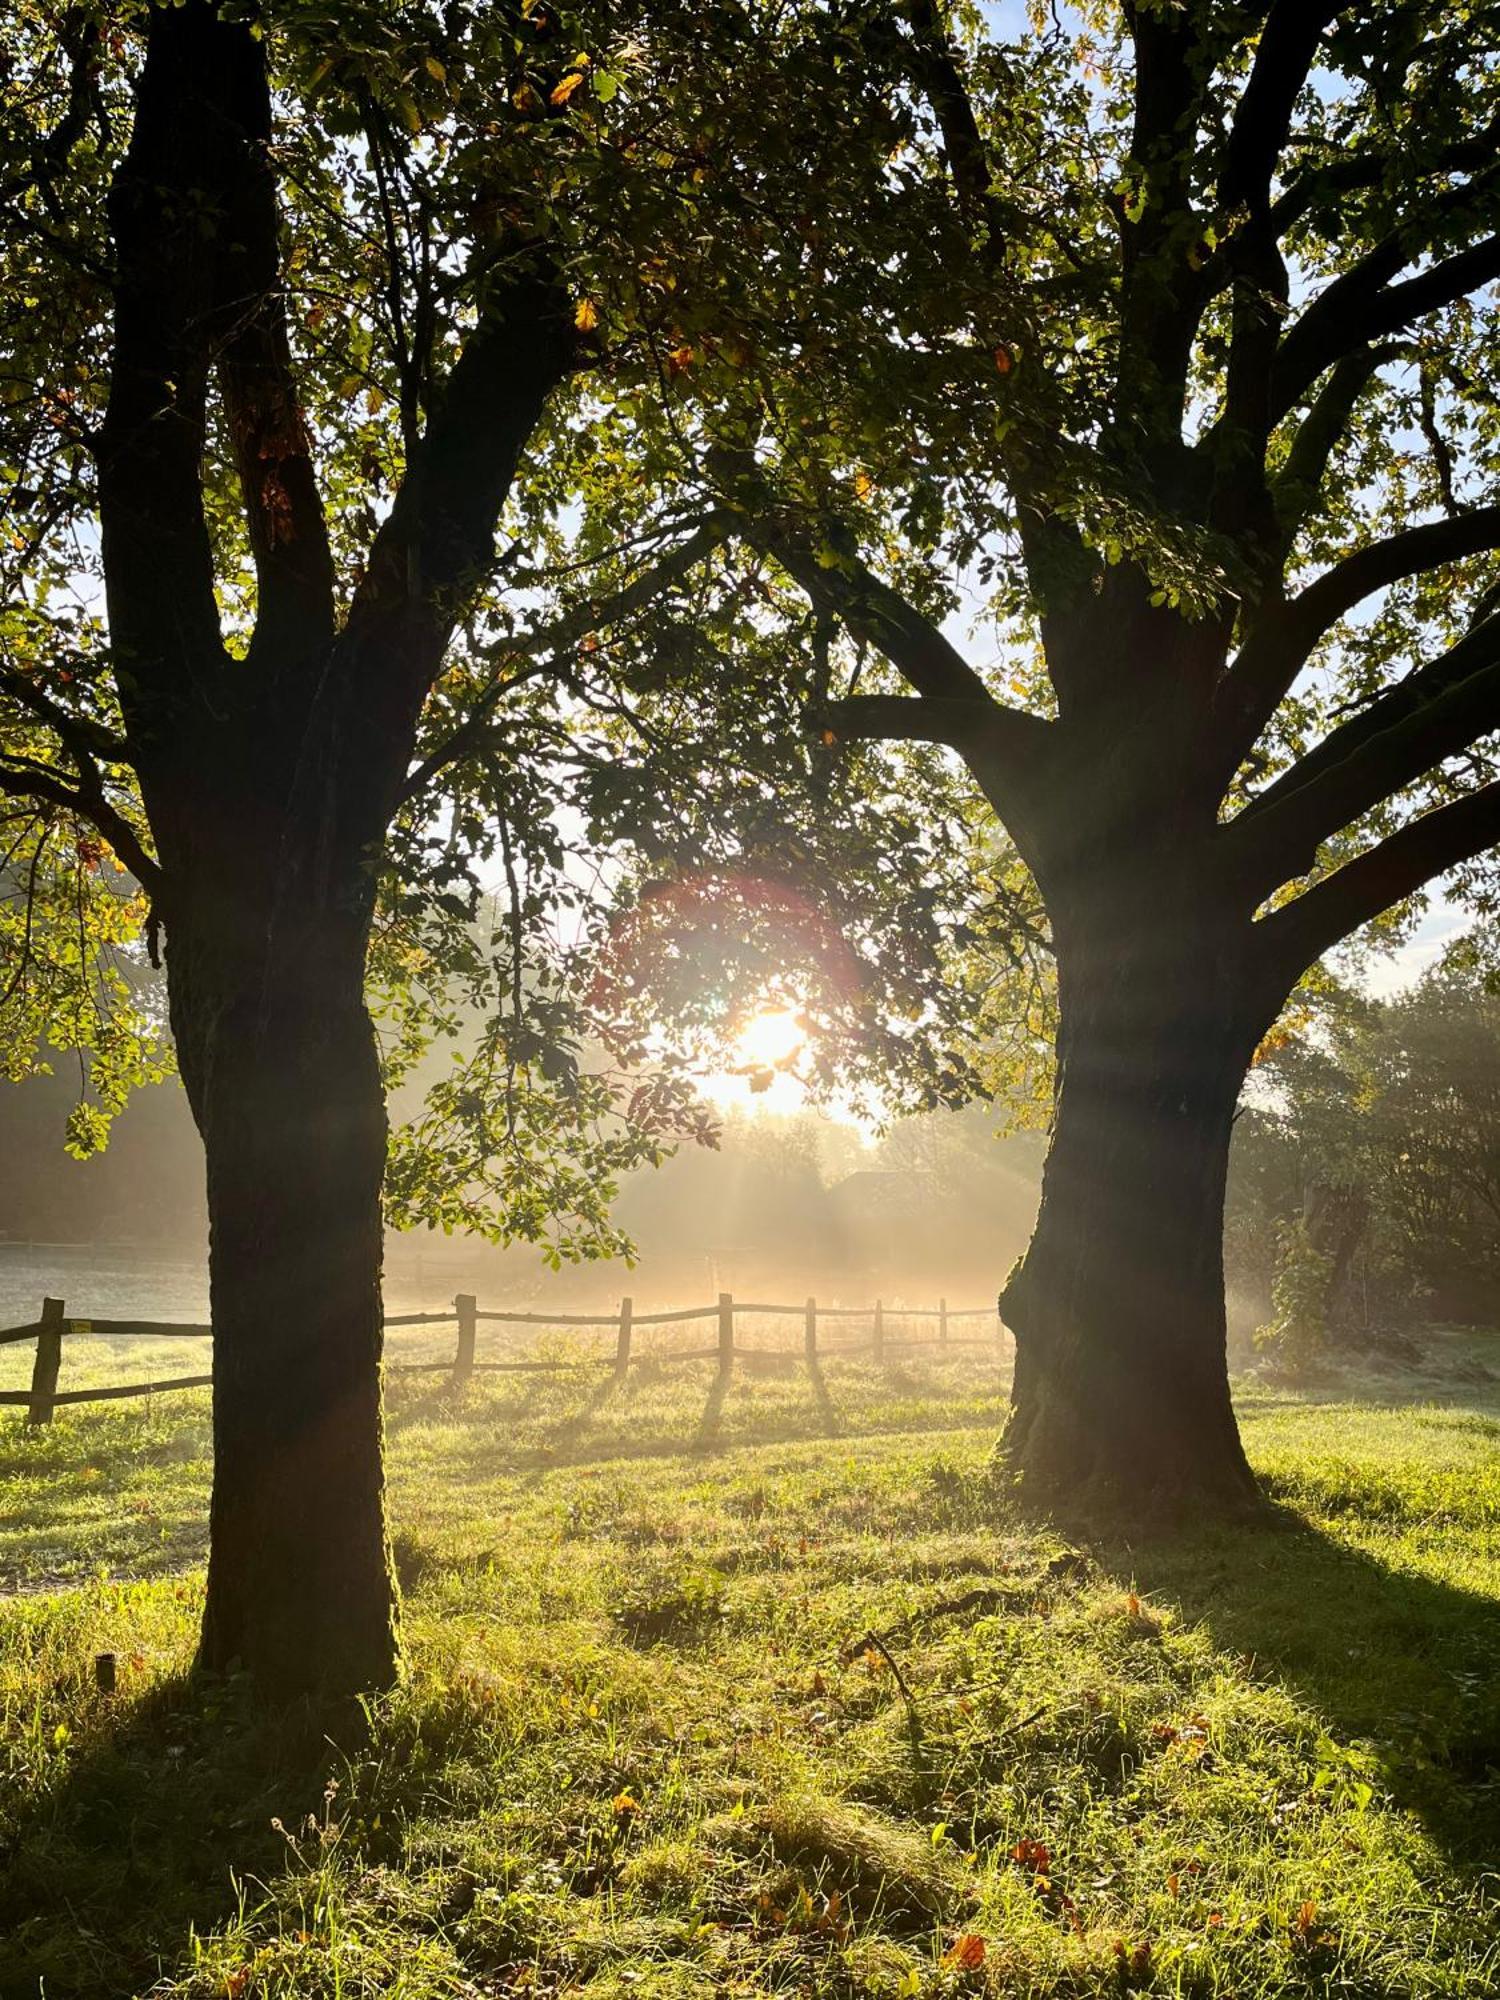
x,y
1375,567
438,540
1294,492
1161,294
272,450
1288,44
1363,305
1351,171
1285,635
158,562
434,550
976,728
1431,715
839,585
940,77
1005,757
1302,930
25,780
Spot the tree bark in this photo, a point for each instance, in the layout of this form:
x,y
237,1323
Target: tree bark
x,y
279,1058
1121,1404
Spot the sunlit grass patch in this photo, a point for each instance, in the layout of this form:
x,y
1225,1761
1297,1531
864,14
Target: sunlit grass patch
x,y
788,1702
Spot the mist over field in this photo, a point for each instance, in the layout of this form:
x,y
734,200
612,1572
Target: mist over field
x,y
786,1206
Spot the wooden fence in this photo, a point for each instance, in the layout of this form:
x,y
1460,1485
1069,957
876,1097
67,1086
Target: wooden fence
x,y
48,1332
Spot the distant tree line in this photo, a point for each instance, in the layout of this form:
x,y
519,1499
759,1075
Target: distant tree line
x,y
1365,1188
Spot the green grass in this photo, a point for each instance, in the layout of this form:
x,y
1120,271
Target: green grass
x,y
643,1750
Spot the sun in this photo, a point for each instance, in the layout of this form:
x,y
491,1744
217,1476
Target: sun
x,y
770,1040
759,1064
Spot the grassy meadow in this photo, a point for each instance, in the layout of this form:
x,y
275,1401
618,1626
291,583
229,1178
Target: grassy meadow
x,y
774,1692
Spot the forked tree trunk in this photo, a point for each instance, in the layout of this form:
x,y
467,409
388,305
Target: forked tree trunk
x,y
279,1059
270,774
1121,1398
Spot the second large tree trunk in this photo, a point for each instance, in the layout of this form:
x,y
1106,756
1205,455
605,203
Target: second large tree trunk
x,y
1121,1399
279,1059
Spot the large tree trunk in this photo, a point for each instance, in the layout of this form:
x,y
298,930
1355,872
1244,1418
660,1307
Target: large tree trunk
x,y
270,774
1121,1397
279,1059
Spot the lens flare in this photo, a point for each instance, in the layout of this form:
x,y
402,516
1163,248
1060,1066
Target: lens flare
x,y
772,1040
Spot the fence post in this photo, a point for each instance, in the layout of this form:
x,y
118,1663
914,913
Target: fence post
x,y
877,1341
467,1307
810,1333
622,1352
942,1322
726,1335
48,1361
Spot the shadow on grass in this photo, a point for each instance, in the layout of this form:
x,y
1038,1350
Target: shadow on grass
x,y
1404,1662
710,1440
529,1431
126,1498
163,1813
833,1425
711,1422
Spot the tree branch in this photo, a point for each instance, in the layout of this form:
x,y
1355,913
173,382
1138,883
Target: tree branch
x,y
1351,171
1161,295
1288,45
39,783
974,727
1284,636
1295,490
81,735
79,38
268,434
1401,864
576,625
1005,756
839,585
1430,545
937,73
158,561
1363,305
1432,714
438,539
941,79
85,741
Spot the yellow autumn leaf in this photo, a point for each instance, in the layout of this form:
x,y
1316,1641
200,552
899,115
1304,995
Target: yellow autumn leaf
x,y
586,316
564,90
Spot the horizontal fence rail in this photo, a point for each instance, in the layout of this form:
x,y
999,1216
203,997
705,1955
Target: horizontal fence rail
x,y
54,1325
